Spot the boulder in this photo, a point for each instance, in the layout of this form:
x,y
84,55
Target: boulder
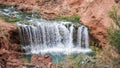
x,y
42,61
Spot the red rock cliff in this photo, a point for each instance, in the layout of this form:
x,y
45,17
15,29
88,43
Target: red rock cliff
x,y
94,13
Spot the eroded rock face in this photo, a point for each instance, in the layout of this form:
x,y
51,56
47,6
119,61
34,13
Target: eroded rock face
x,y
14,60
9,45
10,59
94,13
42,61
9,38
3,59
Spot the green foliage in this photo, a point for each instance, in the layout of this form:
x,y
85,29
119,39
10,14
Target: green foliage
x,y
114,38
73,18
29,14
2,16
114,31
91,53
96,50
103,59
77,61
115,16
7,19
3,6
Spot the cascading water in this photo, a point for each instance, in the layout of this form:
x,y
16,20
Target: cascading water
x,y
39,36
44,37
83,37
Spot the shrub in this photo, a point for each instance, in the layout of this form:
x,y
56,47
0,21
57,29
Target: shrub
x,y
114,31
12,19
3,6
73,18
115,16
114,38
8,19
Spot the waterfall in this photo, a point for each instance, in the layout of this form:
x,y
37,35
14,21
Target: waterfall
x,y
44,37
38,36
54,38
71,36
83,37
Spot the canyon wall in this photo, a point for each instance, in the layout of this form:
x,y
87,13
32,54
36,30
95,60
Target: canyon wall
x,y
9,44
94,13
9,39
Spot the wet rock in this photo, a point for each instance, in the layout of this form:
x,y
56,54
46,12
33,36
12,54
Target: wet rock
x,y
41,61
14,60
13,63
9,37
10,59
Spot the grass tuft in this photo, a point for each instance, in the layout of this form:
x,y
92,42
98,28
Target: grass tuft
x,y
73,18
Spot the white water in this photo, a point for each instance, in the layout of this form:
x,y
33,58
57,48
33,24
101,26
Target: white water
x,y
43,37
83,37
52,37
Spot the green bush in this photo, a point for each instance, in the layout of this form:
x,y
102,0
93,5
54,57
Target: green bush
x,y
114,30
12,19
8,19
115,16
114,38
2,6
73,18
